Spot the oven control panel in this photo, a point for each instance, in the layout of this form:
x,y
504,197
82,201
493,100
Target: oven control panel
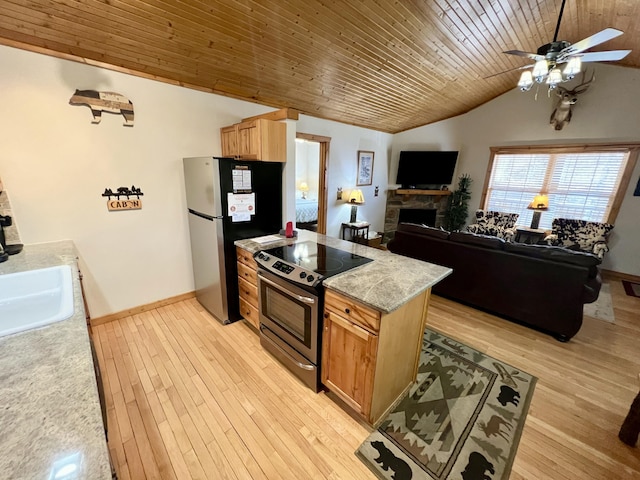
x,y
293,273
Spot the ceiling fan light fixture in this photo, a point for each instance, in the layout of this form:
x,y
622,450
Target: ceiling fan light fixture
x,y
526,81
574,66
540,70
554,78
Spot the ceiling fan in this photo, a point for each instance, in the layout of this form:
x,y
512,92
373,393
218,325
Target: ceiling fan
x,y
548,57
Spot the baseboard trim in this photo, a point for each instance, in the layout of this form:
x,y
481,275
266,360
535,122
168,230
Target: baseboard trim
x,y
611,275
142,308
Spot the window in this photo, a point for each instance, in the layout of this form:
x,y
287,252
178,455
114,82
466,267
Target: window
x,y
586,182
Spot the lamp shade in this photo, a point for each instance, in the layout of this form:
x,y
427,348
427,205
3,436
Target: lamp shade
x,y
526,81
303,187
539,202
540,70
356,197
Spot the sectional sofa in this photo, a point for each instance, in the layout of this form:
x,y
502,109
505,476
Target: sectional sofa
x,y
543,287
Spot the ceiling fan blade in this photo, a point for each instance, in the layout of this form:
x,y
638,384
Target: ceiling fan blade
x,y
592,41
507,71
520,53
608,56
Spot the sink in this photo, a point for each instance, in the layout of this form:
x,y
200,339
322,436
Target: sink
x,y
35,298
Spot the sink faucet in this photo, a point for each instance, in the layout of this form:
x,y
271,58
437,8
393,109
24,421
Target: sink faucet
x,y
4,256
6,221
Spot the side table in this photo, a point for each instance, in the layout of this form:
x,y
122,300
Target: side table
x,y
356,229
529,235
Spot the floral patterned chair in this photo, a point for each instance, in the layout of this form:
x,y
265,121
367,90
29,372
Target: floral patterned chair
x,y
497,224
580,235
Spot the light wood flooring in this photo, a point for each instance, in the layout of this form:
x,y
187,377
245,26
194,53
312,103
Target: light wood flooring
x,y
189,398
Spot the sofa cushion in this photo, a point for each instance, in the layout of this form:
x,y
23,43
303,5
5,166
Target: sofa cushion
x,y
556,254
486,241
423,230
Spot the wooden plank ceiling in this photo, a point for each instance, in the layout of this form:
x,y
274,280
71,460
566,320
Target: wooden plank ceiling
x,y
384,65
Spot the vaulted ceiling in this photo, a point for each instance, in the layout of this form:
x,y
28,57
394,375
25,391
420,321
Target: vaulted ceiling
x,y
384,65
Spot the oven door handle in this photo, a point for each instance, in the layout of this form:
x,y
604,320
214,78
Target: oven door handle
x,y
308,300
304,366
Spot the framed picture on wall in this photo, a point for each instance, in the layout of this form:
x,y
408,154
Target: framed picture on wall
x,y
365,168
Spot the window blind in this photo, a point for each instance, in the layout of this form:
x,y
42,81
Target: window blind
x,y
580,185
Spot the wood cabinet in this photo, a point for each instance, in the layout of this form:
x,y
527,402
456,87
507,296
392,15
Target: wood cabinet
x,y
248,287
370,359
258,139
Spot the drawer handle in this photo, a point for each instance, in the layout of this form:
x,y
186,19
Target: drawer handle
x,y
346,310
326,315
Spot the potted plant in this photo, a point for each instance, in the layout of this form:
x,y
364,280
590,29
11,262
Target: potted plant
x,y
455,216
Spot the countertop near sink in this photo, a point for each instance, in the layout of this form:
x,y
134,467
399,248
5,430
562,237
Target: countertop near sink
x,y
49,405
385,284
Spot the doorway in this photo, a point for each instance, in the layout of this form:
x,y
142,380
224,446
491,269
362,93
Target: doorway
x,y
312,156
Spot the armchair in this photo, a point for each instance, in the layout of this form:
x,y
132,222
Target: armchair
x,y
580,235
497,224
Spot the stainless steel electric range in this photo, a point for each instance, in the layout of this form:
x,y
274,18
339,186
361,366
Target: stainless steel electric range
x,y
290,296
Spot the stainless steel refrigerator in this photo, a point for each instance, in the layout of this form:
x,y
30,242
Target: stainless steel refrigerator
x,y
227,200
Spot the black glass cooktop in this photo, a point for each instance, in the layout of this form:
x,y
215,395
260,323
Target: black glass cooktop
x,y
321,259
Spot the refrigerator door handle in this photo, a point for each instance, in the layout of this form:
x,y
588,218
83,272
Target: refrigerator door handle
x,y
206,217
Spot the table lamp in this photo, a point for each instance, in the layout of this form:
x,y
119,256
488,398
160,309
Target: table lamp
x,y
355,198
304,188
538,204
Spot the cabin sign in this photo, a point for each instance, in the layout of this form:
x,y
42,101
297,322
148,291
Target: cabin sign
x,y
122,203
109,102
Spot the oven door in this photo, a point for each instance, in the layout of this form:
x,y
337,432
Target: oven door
x,y
290,312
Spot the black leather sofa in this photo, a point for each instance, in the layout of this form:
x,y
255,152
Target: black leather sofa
x,y
541,286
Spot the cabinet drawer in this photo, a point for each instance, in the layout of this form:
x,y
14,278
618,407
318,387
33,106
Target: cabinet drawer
x,y
250,313
247,273
246,258
355,312
248,292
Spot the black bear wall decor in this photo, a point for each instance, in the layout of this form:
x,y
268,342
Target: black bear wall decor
x,y
109,102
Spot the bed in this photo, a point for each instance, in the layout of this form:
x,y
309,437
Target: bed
x,y
306,212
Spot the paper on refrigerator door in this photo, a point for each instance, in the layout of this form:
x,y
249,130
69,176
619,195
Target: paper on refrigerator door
x,y
241,178
241,206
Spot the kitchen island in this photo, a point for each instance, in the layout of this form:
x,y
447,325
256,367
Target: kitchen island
x,y
385,284
372,322
50,415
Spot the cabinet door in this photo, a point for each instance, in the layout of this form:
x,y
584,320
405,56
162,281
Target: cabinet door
x,y
229,141
348,361
249,140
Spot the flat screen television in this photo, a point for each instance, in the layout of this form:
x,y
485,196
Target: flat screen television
x,y
420,169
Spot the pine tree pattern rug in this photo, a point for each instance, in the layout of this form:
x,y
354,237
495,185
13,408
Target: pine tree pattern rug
x,y
462,419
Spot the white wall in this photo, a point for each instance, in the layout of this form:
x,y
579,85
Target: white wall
x,y
607,112
55,165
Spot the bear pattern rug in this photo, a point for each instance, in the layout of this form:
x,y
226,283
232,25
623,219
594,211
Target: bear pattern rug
x,y
462,419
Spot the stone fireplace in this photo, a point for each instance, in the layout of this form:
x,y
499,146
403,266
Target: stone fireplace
x,y
414,206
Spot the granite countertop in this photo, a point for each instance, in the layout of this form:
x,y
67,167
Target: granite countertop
x,y
385,284
49,407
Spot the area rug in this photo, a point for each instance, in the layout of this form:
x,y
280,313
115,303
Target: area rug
x,y
632,289
602,308
462,419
